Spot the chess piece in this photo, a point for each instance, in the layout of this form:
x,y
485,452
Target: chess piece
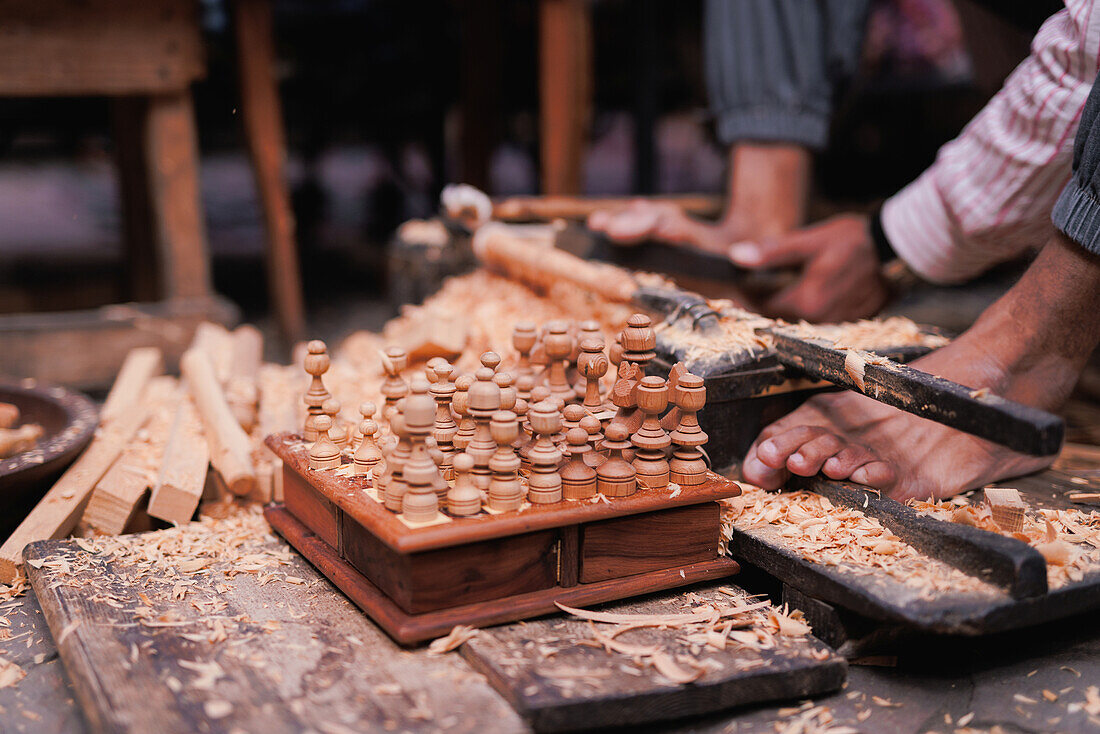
x,y
323,454
439,483
578,479
520,410
543,481
524,336
524,385
615,354
671,419
571,416
687,467
624,397
593,365
616,477
639,340
367,455
394,361
393,480
508,393
650,440
538,395
490,360
589,331
316,364
339,432
460,404
505,490
420,502
445,428
594,430
484,400
558,345
463,499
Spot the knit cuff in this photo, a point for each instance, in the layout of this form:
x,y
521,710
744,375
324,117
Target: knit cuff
x,y
802,127
1077,215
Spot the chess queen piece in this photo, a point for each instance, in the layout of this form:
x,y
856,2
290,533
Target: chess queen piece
x,y
578,479
524,336
316,364
484,400
615,477
323,454
420,501
394,361
558,345
463,499
543,480
687,467
460,405
638,341
650,440
505,490
367,455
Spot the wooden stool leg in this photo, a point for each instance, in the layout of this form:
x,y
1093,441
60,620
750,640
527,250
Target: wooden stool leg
x,y
172,156
564,92
262,117
128,115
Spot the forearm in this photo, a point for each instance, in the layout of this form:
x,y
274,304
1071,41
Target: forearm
x,y
768,187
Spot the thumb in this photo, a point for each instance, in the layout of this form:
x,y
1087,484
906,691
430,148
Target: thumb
x,y
790,249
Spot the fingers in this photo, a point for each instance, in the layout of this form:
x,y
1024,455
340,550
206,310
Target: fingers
x,y
756,472
808,450
877,474
809,458
775,451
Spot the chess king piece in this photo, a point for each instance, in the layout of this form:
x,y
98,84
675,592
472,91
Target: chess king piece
x,y
460,404
650,440
393,480
368,454
543,480
323,454
394,361
615,477
484,400
558,345
339,432
638,341
420,502
443,390
524,336
594,430
687,467
505,490
316,364
578,479
463,499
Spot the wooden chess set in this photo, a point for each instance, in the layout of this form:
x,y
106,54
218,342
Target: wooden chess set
x,y
486,498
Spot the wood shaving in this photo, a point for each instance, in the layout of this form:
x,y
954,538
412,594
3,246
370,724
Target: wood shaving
x,y
671,669
458,637
10,673
854,364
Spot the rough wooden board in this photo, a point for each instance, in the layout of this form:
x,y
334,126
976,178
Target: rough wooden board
x,y
298,655
597,688
182,476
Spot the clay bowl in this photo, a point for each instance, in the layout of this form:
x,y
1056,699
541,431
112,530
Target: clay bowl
x,y
68,420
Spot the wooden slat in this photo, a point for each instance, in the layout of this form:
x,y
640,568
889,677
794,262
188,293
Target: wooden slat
x,y
140,366
182,475
230,449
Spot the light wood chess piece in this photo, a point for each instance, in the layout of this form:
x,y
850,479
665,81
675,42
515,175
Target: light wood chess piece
x,y
543,480
508,393
524,336
460,405
593,365
463,499
505,490
394,481
687,467
443,390
578,479
394,362
558,345
616,477
323,454
420,502
316,365
484,400
367,455
594,430
638,341
650,440
339,432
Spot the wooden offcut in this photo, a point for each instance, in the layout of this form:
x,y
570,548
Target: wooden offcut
x,y
182,475
140,366
1007,506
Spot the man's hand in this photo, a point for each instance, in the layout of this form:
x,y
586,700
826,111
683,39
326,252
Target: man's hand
x,y
840,277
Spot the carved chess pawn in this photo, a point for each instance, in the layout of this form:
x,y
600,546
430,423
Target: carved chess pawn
x,y
505,490
524,385
651,440
316,364
439,484
463,499
460,405
339,432
571,416
578,479
484,400
445,429
687,467
538,395
638,341
671,419
524,336
323,454
589,331
367,455
394,361
592,365
543,481
558,345
615,354
393,480
508,393
490,360
594,430
616,477
420,502
520,410
624,397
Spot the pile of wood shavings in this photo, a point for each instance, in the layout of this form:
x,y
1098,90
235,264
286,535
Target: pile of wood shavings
x,y
1068,539
895,331
737,331
819,532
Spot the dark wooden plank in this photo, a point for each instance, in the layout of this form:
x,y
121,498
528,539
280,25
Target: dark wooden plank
x,y
997,559
569,556
628,545
347,493
410,629
311,508
1019,427
296,655
595,688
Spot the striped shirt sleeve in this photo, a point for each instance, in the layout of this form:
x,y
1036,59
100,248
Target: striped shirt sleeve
x,y
989,195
